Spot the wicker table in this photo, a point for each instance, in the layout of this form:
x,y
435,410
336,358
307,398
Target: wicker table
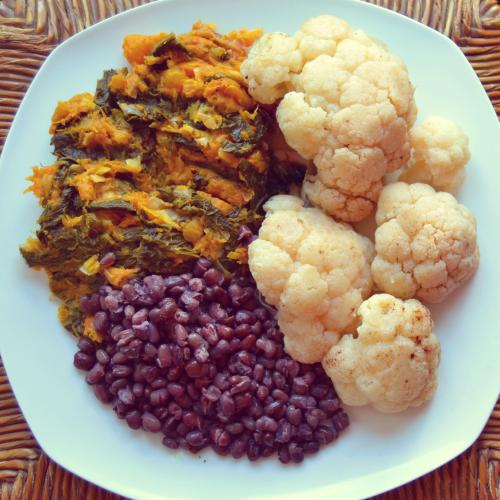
x,y
29,30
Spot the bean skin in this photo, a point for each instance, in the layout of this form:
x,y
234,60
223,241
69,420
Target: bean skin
x,y
83,361
150,423
196,357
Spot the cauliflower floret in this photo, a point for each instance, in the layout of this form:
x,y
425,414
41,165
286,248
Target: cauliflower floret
x,y
314,270
303,124
439,153
392,362
425,243
347,106
320,35
270,65
357,168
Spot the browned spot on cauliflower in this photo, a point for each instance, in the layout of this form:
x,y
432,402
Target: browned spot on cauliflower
x,y
392,362
347,106
314,270
425,243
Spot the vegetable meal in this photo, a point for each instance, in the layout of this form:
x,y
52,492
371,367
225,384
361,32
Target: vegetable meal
x,y
195,227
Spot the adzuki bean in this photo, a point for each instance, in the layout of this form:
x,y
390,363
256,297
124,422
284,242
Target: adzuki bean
x,y
199,358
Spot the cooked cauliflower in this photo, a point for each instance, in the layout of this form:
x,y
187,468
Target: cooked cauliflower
x,y
270,65
314,270
392,362
347,105
439,153
425,242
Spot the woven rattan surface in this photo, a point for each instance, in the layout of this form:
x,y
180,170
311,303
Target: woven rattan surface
x,y
29,30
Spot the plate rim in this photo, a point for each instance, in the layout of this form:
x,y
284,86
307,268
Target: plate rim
x,y
387,479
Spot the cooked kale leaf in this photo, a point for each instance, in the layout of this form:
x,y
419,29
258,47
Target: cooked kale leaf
x,y
246,135
103,96
146,107
65,146
170,42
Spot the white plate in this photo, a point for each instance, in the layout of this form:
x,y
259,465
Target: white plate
x,y
379,451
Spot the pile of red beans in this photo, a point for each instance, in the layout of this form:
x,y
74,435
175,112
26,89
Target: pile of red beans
x,y
199,358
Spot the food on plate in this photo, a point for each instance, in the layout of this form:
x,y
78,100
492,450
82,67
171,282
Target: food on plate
x,y
347,105
269,67
196,357
315,271
425,243
392,362
439,153
191,325
166,162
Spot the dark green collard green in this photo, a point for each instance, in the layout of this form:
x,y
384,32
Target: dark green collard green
x,y
168,44
146,108
65,146
103,96
246,135
147,246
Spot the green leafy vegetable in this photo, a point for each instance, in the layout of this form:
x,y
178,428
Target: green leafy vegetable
x,y
169,43
65,146
246,135
146,108
103,97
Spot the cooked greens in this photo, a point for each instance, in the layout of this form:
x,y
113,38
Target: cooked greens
x,y
164,163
